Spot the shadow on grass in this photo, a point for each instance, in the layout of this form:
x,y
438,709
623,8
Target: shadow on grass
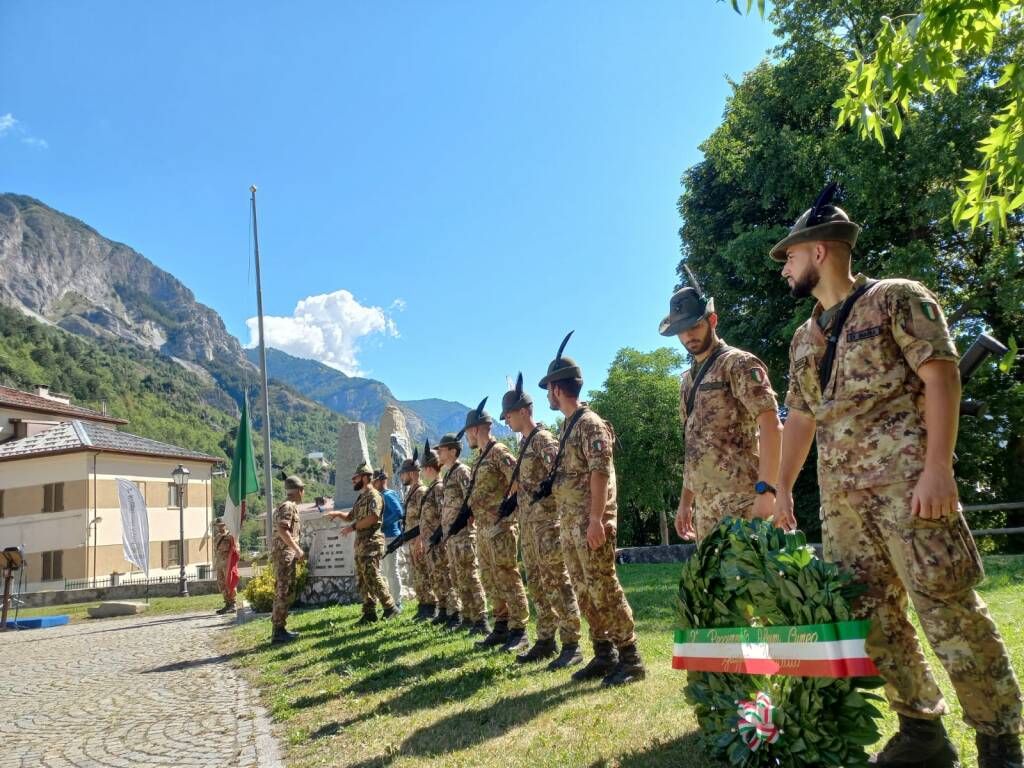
x,y
471,727
680,752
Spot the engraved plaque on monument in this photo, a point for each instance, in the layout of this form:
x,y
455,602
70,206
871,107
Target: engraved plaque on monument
x,y
331,554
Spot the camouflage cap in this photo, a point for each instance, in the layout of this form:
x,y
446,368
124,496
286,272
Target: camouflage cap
x,y
294,483
822,221
452,440
478,416
561,367
686,308
363,469
412,464
515,399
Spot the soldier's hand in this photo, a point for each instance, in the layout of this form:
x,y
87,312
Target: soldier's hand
x,y
935,495
684,524
764,506
784,517
595,534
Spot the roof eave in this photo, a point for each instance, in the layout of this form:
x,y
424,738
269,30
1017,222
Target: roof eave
x,y
93,449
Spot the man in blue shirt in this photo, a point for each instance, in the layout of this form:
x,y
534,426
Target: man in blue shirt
x,y
391,527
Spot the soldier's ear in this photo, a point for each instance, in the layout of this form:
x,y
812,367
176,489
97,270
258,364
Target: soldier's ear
x,y
713,320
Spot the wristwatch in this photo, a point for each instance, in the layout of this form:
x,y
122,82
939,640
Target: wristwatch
x,y
763,487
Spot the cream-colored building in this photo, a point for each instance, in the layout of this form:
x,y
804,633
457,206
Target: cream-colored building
x,y
59,466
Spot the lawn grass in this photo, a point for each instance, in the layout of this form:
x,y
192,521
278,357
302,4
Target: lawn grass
x,y
401,694
158,606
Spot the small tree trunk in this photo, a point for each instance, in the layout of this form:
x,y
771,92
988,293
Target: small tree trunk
x,y
663,519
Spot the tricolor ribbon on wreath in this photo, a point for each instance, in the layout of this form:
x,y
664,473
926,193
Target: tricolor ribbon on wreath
x,y
815,650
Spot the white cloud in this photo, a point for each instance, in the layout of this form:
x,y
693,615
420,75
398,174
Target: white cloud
x,y
9,124
327,327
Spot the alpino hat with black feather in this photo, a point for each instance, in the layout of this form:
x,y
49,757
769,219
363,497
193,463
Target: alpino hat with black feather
x,y
822,221
516,398
478,416
561,367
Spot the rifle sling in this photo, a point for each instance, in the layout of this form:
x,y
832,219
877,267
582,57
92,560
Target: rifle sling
x,y
564,440
829,359
519,460
690,398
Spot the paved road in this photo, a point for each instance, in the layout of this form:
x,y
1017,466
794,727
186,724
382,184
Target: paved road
x,y
128,692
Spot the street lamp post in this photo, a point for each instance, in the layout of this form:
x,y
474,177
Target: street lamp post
x,y
180,475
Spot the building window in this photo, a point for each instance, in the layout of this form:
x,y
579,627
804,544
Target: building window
x,y
172,554
172,496
53,565
53,497
1,503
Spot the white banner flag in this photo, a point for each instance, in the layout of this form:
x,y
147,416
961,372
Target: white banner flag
x,y
134,524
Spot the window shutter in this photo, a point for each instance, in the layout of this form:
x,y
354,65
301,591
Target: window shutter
x,y
58,497
58,563
48,498
47,566
1,503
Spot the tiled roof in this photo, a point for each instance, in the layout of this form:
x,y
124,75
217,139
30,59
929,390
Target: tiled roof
x,y
72,436
15,398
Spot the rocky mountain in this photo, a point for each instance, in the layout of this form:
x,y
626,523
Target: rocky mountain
x,y
362,399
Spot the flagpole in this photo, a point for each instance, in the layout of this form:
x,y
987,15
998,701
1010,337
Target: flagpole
x,y
268,476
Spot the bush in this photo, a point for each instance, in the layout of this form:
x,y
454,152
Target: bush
x,y
260,589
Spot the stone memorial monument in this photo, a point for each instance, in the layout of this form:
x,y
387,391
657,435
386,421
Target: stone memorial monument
x,y
393,447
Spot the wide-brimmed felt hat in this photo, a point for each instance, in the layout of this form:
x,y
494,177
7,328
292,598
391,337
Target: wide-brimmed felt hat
x,y
294,482
561,367
452,440
430,456
822,221
686,308
364,468
411,464
516,398
478,416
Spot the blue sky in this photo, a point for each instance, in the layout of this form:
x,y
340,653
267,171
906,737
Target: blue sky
x,y
480,178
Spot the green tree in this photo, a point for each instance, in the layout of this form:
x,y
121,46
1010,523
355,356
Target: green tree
x,y
763,166
640,399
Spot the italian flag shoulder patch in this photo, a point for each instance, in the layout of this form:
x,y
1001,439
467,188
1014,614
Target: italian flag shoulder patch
x,y
930,310
757,375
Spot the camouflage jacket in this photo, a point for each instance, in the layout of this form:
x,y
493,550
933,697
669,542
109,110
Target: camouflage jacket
x,y
453,493
870,422
429,511
411,505
534,468
369,504
588,449
222,547
721,433
286,518
493,473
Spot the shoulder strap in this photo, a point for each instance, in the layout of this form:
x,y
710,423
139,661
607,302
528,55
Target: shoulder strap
x,y
690,398
565,439
519,459
426,492
479,463
829,359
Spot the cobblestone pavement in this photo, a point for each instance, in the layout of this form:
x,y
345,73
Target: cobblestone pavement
x,y
128,692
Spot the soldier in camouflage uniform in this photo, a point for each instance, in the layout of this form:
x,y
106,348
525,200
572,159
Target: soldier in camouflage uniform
x,y
461,548
733,434
364,522
285,553
497,538
409,474
585,495
885,421
436,557
223,545
546,575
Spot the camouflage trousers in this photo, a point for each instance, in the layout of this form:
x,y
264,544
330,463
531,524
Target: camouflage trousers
x,y
936,564
711,508
601,599
420,577
222,584
372,587
284,577
465,576
441,579
548,580
499,571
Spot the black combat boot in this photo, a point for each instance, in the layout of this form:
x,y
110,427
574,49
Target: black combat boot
x,y
570,656
629,669
542,649
918,744
481,628
282,635
368,618
228,608
603,663
497,636
441,618
517,641
1001,751
454,622
425,612
390,613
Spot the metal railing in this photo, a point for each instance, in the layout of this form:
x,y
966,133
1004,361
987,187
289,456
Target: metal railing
x,y
129,579
1008,507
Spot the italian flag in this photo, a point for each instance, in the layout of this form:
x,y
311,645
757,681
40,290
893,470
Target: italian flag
x,y
816,650
241,484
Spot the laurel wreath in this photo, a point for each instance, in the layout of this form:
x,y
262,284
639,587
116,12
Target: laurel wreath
x,y
754,574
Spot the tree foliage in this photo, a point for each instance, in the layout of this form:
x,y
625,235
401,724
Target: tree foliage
x,y
640,399
768,158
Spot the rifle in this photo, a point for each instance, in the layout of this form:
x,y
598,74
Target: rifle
x,y
462,519
398,541
975,355
548,483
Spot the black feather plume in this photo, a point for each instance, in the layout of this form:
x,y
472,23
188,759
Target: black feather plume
x,y
415,454
459,436
480,408
426,447
565,341
519,385
823,201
